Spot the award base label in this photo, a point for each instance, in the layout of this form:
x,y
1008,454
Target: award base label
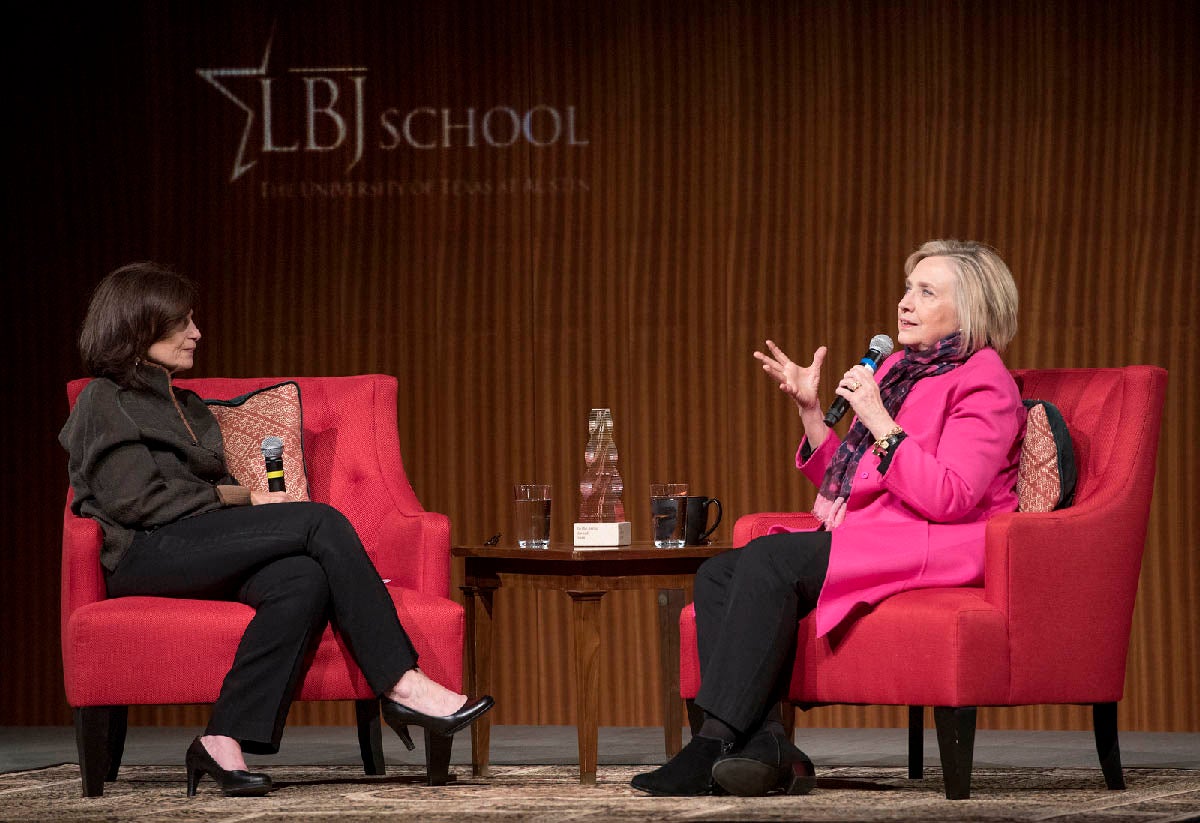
x,y
603,534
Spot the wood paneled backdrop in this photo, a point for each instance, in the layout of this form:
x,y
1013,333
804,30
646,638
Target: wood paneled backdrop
x,y
739,171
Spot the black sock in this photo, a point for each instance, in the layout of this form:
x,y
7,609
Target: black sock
x,y
717,729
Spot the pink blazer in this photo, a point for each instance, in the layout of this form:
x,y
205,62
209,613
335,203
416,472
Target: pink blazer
x,y
921,524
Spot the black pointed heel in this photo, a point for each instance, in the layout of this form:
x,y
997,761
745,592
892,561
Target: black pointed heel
x,y
399,717
233,783
405,737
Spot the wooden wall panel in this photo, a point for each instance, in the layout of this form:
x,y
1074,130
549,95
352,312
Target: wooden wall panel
x,y
750,171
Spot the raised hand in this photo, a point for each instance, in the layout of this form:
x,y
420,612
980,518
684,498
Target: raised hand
x,y
798,382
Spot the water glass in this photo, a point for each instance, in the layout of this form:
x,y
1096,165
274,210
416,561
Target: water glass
x,y
668,513
531,515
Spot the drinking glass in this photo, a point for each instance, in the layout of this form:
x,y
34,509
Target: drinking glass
x,y
668,513
531,515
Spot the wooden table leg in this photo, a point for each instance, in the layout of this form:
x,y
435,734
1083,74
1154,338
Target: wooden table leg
x,y
585,611
670,604
479,669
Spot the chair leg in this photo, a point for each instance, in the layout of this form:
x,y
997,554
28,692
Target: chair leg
x,y
956,745
1104,723
118,723
437,757
695,715
92,724
916,742
370,736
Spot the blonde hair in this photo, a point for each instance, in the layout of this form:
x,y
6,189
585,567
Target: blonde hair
x,y
985,296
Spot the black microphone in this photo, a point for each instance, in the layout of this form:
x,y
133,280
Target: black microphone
x,y
272,449
878,349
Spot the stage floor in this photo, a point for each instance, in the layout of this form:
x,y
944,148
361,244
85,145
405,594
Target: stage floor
x,y
32,747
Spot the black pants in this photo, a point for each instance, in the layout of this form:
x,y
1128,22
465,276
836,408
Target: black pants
x,y
748,602
297,564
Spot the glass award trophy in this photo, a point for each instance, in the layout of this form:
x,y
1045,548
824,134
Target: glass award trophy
x,y
601,507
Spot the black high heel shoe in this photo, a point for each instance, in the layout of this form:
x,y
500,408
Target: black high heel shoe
x,y
400,717
233,783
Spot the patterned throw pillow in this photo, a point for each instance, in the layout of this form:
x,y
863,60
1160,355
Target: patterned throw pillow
x,y
246,420
1046,475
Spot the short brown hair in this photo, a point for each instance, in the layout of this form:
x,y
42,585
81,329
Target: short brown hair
x,y
985,295
131,309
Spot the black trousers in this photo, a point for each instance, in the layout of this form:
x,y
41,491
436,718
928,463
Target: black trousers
x,y
297,565
748,602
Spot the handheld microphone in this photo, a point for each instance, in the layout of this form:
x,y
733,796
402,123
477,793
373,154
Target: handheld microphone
x,y
272,449
878,349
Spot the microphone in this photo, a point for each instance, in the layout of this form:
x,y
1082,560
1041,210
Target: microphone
x,y
878,349
272,449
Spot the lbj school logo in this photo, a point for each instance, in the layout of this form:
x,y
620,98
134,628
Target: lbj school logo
x,y
332,106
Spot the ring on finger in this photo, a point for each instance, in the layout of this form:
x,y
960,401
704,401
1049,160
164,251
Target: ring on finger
x,y
855,386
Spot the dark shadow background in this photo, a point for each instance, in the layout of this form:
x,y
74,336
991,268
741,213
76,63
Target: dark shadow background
x,y
739,171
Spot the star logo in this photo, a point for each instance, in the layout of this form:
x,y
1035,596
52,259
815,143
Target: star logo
x,y
315,81
212,77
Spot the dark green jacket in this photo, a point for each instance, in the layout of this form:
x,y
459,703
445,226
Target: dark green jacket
x,y
135,466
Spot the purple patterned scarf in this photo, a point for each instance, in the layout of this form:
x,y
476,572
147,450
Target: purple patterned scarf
x,y
896,385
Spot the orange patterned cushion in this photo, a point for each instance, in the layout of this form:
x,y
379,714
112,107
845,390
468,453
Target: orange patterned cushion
x,y
246,420
1046,475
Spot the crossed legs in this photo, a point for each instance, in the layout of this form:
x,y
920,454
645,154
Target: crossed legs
x,y
298,565
747,603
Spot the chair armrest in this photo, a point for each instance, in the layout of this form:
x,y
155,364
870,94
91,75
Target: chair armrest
x,y
1066,582
413,551
758,524
1084,560
82,577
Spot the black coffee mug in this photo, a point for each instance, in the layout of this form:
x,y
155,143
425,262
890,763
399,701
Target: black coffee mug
x,y
696,528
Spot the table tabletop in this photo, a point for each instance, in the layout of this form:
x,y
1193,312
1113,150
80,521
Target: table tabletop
x,y
567,552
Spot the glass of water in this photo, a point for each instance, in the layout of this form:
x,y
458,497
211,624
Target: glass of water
x,y
531,515
668,513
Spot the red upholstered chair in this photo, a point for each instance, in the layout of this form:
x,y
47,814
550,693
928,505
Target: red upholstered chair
x,y
156,650
1051,622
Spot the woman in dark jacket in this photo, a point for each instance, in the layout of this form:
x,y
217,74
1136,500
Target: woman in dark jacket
x,y
147,461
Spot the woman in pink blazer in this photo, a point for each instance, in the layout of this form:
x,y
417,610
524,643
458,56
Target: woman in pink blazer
x,y
903,502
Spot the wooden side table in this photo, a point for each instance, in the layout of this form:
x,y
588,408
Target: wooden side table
x,y
586,576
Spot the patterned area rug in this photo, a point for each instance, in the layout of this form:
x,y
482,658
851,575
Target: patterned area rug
x,y
552,793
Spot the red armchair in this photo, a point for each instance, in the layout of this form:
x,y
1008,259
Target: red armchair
x,y
1051,622
154,650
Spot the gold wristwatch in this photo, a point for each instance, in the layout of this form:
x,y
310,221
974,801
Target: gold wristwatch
x,y
884,444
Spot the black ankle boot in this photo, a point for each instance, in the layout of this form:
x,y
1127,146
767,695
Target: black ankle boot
x,y
233,782
688,773
769,762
